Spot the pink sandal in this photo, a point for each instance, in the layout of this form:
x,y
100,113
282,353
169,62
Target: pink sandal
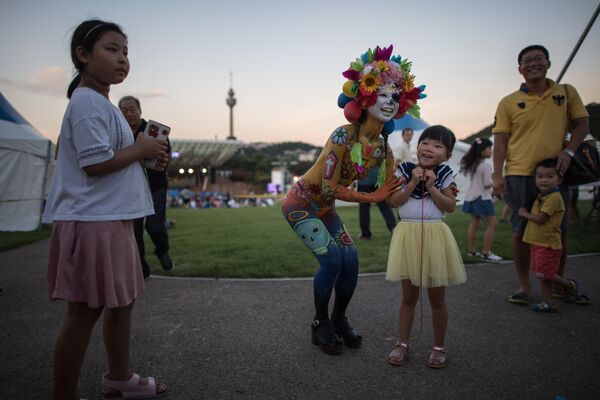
x,y
437,357
399,355
134,388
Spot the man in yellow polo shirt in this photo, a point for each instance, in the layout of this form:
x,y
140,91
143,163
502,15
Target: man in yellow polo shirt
x,y
530,126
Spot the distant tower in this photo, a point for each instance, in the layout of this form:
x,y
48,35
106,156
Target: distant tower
x,y
231,103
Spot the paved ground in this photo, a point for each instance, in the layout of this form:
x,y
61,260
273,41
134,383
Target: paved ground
x,y
220,339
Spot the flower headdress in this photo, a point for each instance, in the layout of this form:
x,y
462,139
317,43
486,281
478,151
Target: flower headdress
x,y
371,71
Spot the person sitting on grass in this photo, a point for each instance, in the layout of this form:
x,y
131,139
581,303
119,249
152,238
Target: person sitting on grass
x,y
543,233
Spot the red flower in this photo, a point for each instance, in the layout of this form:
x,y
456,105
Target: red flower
x,y
383,54
366,99
351,74
313,188
408,99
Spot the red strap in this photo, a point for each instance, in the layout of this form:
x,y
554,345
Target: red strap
x,y
421,257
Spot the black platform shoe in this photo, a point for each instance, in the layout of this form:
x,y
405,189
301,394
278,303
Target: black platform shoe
x,y
323,335
351,337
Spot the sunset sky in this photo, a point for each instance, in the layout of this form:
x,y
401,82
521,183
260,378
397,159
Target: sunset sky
x,y
287,58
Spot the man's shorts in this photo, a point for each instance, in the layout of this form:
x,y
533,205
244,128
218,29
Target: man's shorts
x,y
522,192
545,261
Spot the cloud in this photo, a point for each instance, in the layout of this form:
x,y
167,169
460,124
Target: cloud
x,y
151,94
52,81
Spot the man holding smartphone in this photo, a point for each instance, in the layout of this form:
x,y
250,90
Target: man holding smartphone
x,y
158,182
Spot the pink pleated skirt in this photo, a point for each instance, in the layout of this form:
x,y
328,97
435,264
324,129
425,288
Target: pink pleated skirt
x,y
94,262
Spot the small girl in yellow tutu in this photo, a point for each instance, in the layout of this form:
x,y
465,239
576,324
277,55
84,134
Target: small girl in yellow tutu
x,y
423,251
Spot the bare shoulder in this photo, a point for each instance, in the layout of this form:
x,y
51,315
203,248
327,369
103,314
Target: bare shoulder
x,y
343,135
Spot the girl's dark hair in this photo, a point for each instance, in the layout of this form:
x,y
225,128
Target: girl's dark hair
x,y
441,134
470,161
86,35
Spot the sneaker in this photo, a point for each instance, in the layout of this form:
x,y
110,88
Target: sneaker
x,y
166,262
544,307
363,237
474,253
491,257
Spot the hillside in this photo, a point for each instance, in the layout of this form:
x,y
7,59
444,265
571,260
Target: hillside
x,y
253,163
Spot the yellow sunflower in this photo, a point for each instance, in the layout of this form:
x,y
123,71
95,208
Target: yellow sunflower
x,y
370,82
409,83
383,66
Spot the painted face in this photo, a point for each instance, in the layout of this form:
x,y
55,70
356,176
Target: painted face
x,y
107,63
314,234
534,65
546,178
387,104
431,153
131,112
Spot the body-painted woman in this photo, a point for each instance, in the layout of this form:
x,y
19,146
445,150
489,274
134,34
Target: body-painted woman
x,y
379,88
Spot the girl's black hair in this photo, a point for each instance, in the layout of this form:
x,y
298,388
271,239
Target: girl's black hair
x,y
470,161
441,134
86,35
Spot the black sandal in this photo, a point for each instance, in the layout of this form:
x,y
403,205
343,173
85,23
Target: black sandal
x,y
350,336
521,299
323,335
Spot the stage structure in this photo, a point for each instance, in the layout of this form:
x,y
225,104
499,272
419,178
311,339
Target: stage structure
x,y
198,154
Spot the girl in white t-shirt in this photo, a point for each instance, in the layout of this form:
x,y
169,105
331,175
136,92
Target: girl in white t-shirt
x,y
478,200
423,252
98,189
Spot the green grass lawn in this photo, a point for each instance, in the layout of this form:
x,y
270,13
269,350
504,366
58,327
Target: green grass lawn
x,y
257,242
11,240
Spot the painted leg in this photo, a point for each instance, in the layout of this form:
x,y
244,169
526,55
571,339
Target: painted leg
x,y
344,289
323,330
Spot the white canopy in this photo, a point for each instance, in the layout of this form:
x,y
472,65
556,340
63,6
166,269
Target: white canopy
x,y
24,157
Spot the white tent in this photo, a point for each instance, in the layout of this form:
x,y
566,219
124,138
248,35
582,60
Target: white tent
x,y
24,158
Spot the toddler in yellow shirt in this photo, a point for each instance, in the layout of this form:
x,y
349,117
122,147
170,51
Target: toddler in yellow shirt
x,y
543,233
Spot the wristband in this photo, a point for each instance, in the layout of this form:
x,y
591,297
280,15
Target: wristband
x,y
570,152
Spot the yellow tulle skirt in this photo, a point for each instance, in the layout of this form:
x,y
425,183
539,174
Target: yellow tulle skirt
x,y
442,263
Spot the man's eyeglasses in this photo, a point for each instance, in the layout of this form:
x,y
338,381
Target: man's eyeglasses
x,y
536,59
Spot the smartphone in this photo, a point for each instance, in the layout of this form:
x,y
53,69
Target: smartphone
x,y
155,130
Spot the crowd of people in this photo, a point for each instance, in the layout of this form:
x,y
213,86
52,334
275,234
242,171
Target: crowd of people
x,y
186,198
96,259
